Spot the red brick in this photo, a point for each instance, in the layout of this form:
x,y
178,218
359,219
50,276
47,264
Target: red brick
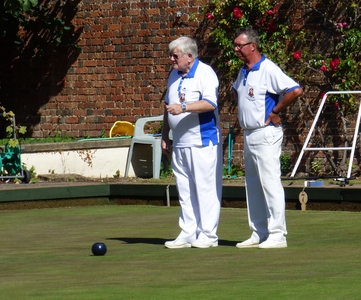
x,y
124,60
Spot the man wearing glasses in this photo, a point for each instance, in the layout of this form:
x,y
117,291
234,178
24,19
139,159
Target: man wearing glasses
x,y
262,90
191,112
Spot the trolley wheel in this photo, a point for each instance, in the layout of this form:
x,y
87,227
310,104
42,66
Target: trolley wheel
x,y
27,176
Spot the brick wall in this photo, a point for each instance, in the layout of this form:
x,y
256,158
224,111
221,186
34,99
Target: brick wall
x,y
123,66
121,70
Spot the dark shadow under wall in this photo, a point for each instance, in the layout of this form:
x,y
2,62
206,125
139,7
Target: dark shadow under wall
x,y
35,58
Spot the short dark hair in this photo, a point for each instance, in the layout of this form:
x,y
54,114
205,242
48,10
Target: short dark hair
x,y
252,34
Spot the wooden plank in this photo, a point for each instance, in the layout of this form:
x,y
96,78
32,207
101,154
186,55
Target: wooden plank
x,y
55,192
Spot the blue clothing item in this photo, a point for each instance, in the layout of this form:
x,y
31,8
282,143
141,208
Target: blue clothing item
x,y
194,129
259,90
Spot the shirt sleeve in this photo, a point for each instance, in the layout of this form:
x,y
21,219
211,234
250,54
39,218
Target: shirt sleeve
x,y
278,82
210,85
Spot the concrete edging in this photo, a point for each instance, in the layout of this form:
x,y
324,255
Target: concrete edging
x,y
157,192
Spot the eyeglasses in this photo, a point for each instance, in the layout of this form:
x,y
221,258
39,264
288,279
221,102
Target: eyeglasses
x,y
240,46
175,56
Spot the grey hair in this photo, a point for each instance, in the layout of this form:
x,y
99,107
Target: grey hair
x,y
250,33
185,45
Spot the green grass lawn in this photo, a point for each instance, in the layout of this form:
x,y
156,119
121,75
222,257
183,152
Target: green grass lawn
x,y
46,254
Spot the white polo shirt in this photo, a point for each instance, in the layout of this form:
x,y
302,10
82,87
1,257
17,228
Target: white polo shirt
x,y
259,89
194,129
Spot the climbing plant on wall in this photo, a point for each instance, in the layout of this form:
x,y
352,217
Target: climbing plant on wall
x,y
38,44
319,47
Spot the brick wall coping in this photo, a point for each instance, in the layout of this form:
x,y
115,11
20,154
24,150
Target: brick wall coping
x,y
95,143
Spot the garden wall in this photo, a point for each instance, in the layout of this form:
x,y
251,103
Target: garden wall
x,y
91,158
120,72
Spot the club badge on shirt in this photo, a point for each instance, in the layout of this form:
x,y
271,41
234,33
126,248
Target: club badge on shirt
x,y
182,97
250,94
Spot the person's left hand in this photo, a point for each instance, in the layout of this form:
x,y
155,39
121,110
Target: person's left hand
x,y
275,119
174,109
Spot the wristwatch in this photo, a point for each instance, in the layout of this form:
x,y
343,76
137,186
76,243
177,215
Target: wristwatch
x,y
184,107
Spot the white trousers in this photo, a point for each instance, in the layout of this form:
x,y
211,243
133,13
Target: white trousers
x,y
198,174
264,190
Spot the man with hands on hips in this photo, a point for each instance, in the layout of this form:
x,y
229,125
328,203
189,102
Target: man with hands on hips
x,y
262,90
191,112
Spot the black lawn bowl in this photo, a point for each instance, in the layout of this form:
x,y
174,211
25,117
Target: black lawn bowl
x,y
99,249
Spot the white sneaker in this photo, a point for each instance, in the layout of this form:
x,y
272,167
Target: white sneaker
x,y
250,243
177,244
203,243
270,244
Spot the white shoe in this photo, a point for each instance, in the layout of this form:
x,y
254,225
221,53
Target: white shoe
x,y
270,244
177,244
250,243
203,243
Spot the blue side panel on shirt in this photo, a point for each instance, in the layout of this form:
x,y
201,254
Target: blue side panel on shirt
x,y
208,128
271,102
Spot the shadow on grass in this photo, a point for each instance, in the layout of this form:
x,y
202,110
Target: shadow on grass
x,y
128,240
159,241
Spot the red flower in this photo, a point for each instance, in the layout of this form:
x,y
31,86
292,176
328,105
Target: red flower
x,y
323,68
297,55
270,27
337,105
210,16
271,12
342,25
262,22
237,13
334,64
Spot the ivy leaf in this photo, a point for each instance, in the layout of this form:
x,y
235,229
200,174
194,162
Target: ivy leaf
x,y
9,129
34,2
13,143
26,5
22,129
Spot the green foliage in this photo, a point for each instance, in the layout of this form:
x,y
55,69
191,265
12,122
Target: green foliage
x,y
71,178
39,17
33,177
234,171
285,164
117,174
227,16
58,138
103,134
316,166
330,54
321,50
16,6
12,130
166,171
